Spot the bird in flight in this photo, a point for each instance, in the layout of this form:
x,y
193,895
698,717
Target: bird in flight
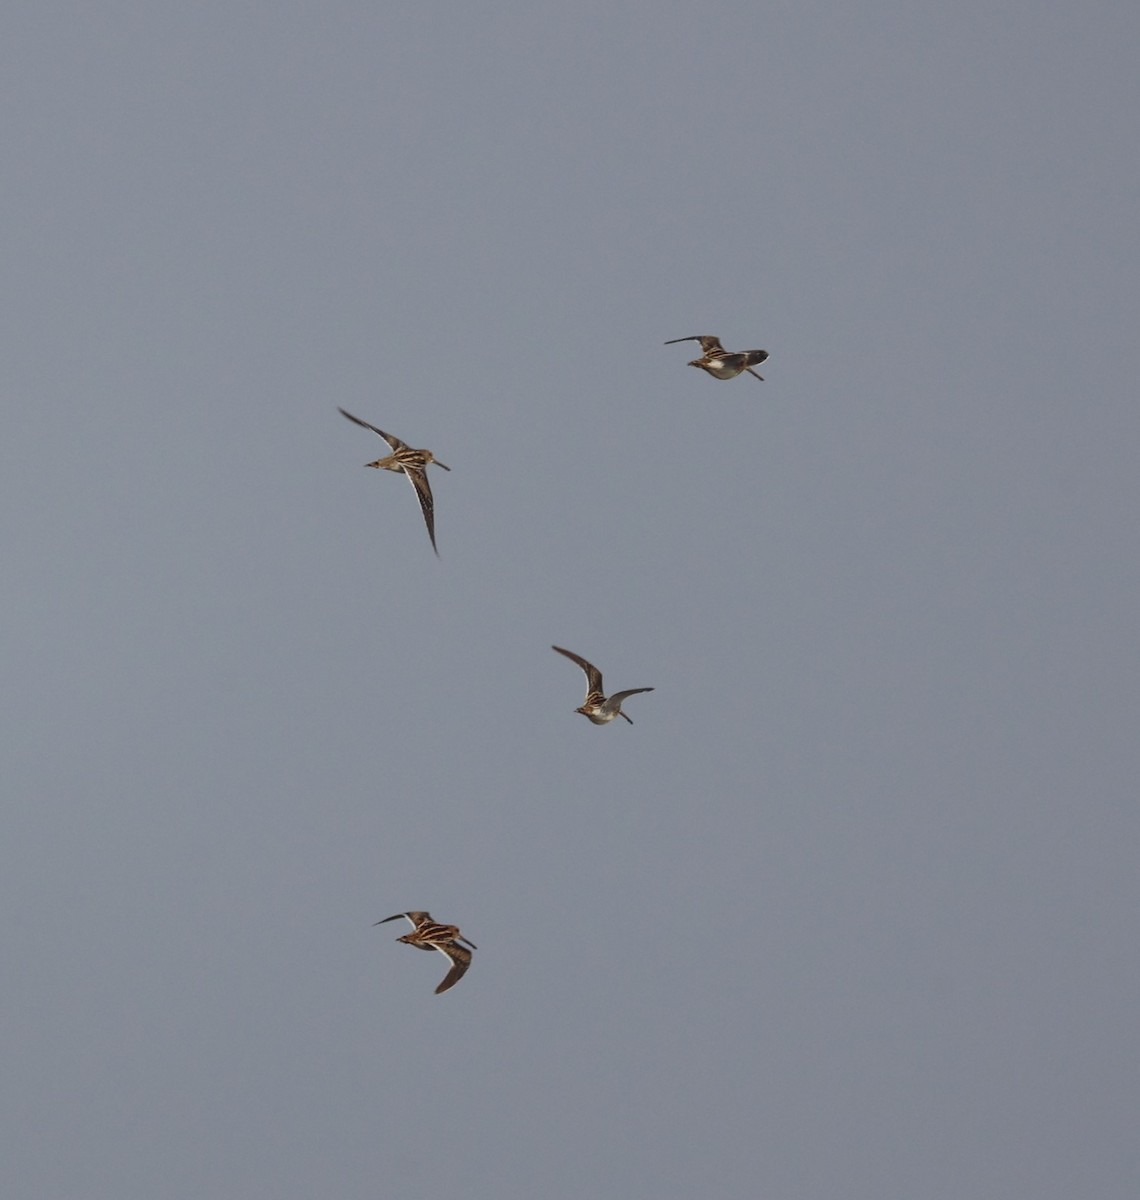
x,y
431,935
719,362
596,706
413,463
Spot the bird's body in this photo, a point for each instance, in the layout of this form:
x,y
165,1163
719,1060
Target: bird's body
x,y
413,464
719,362
431,935
597,707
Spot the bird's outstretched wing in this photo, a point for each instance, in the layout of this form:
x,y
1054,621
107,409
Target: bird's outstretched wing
x,y
394,442
593,675
417,477
707,340
460,958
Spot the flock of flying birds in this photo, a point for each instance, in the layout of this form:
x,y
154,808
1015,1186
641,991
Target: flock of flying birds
x,y
597,707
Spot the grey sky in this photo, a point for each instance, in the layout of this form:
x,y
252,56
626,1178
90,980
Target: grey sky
x,y
851,911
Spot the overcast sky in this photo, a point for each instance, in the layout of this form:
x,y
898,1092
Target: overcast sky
x,y
851,911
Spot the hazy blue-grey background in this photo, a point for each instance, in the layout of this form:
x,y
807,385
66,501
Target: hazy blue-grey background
x,y
851,911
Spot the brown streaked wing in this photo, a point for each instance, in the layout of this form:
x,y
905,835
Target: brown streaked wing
x,y
396,916
417,476
707,340
460,958
593,675
394,442
417,918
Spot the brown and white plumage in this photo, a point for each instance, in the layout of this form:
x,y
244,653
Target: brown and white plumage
x,y
597,707
413,463
431,935
719,362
